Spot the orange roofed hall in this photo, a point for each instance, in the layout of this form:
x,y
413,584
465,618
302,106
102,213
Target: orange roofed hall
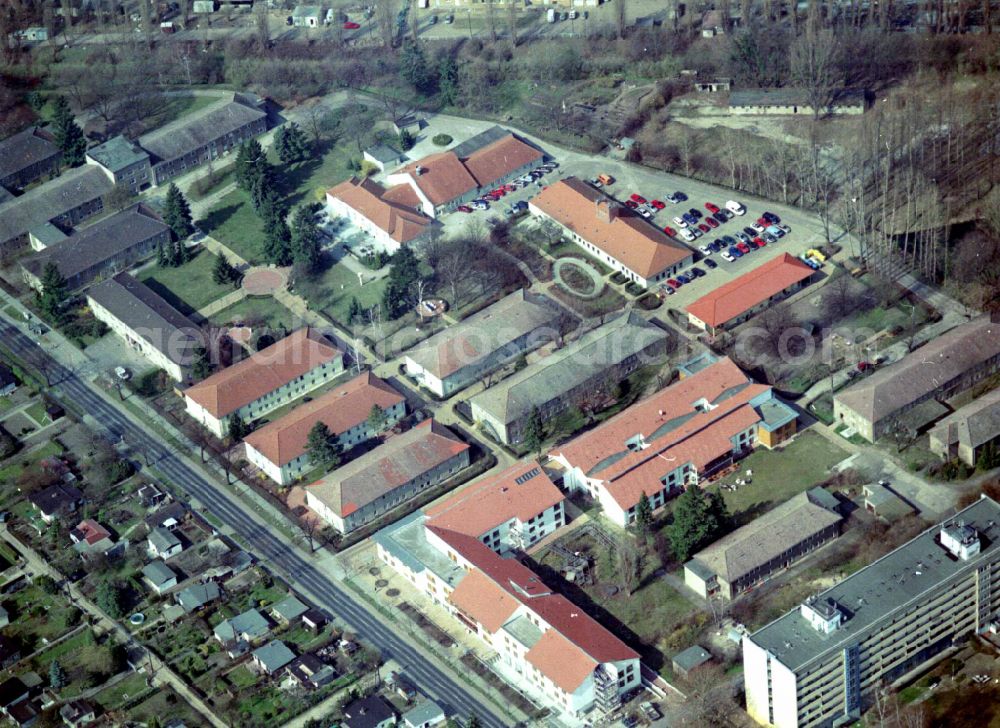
x,y
547,646
738,300
261,383
393,217
279,448
679,435
611,232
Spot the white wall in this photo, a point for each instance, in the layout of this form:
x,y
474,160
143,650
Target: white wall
x,y
156,357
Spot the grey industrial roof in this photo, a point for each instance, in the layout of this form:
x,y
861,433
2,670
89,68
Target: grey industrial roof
x,y
158,573
766,537
974,424
562,370
922,372
93,245
885,588
887,504
383,153
117,153
524,631
480,140
274,655
483,333
691,658
148,315
790,97
50,200
823,497
193,131
24,149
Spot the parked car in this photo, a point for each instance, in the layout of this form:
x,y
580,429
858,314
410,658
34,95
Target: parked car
x,y
637,197
768,238
631,204
673,283
735,252
688,235
696,232
642,210
711,207
673,198
704,228
729,239
695,213
681,197
771,218
649,711
680,222
689,219
727,256
736,208
670,231
721,217
776,231
683,278
594,182
351,25
657,204
758,243
743,248
464,208
712,222
696,272
705,250
711,264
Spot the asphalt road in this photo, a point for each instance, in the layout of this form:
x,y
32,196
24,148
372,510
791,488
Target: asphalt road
x,y
266,545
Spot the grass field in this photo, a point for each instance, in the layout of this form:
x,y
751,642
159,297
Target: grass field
x,y
125,689
188,287
777,476
232,221
256,312
331,292
321,172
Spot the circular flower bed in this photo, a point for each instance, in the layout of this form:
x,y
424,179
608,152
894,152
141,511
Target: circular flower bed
x,y
578,278
442,140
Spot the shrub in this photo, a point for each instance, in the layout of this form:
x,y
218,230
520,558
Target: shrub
x,y
368,168
441,140
119,470
617,277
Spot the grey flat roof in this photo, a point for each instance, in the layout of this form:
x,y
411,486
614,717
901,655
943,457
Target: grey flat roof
x,y
562,370
147,314
92,245
789,97
692,657
383,153
881,590
480,140
24,149
406,540
766,537
524,631
46,202
924,371
117,153
195,130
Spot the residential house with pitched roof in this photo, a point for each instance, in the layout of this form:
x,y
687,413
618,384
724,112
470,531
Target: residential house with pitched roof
x,y
370,486
89,537
392,220
443,181
611,232
123,162
372,711
547,646
677,436
248,627
264,381
56,501
966,432
26,156
454,358
99,251
195,139
741,298
147,323
272,657
768,544
940,369
588,370
159,576
280,448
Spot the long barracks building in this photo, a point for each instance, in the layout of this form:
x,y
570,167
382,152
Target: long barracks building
x,y
817,666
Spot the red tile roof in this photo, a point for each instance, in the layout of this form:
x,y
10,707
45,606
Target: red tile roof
x,y
578,642
400,460
91,531
497,160
675,430
340,409
740,295
250,379
485,504
400,221
635,243
402,195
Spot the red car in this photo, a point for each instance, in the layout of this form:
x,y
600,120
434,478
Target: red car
x,y
704,228
509,188
673,283
712,222
350,25
670,231
657,204
743,248
758,243
632,204
464,208
711,208
763,221
638,198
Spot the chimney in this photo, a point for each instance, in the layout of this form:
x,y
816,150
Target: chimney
x,y
606,210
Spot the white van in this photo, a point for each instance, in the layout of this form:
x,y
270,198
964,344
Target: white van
x,y
736,208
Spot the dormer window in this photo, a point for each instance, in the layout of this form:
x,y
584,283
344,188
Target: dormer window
x,y
702,405
636,443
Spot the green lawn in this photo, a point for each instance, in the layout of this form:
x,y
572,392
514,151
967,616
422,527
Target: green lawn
x,y
36,411
242,677
37,616
122,691
233,222
302,182
331,292
188,287
779,475
165,704
256,312
9,473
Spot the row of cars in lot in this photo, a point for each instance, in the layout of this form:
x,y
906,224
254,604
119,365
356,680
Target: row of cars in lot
x,y
494,195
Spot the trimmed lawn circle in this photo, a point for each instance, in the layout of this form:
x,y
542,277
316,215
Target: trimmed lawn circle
x,y
577,277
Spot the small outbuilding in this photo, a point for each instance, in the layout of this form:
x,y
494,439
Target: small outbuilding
x,y
690,659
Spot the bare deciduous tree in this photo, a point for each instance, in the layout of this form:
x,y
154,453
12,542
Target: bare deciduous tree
x,y
814,63
385,19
